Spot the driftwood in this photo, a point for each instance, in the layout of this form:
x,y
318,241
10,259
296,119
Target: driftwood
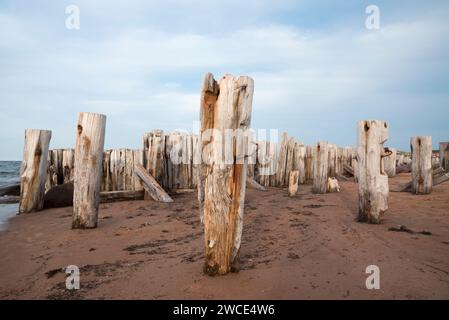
x,y
125,195
224,106
88,169
34,170
332,185
348,169
372,180
421,165
254,184
154,190
440,179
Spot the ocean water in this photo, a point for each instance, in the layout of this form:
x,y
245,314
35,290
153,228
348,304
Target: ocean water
x,y
9,174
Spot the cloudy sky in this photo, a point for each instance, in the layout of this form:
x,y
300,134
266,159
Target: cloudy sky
x,y
317,68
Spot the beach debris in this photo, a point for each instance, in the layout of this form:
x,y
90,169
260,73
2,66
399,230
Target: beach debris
x,y
154,190
332,185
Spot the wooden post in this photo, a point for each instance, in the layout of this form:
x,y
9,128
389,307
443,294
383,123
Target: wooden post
x,y
88,169
320,167
332,160
389,163
293,183
444,155
151,186
224,106
34,170
299,164
373,181
281,173
68,162
422,172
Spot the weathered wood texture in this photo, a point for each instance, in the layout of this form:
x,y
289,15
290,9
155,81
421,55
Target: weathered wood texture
x,y
224,106
151,186
293,183
33,172
422,172
389,163
372,179
444,155
320,167
88,169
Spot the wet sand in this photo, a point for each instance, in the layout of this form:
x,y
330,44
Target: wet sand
x,y
305,247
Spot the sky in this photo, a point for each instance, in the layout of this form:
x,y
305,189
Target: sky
x,y
317,69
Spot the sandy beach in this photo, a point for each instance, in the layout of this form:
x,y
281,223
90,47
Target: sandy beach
x,y
305,247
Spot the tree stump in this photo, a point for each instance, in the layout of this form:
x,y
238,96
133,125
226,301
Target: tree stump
x,y
422,172
88,169
293,181
372,180
225,107
33,173
320,167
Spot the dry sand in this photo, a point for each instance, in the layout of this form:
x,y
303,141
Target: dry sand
x,y
306,247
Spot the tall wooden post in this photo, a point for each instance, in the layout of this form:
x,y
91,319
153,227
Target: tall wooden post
x,y
293,181
372,180
34,170
225,107
320,167
390,163
422,172
444,155
88,169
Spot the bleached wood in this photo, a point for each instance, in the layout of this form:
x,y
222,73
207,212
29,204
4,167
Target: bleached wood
x,y
151,186
372,179
332,160
300,162
444,155
68,164
254,184
293,183
282,161
332,185
88,169
389,163
33,172
155,160
422,173
224,105
320,167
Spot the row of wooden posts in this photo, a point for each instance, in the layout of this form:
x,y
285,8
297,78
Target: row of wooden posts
x,y
225,104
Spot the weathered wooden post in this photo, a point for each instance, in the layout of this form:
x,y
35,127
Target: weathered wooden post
x,y
422,172
320,167
34,170
293,181
300,164
444,155
390,163
225,107
332,160
88,169
372,180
